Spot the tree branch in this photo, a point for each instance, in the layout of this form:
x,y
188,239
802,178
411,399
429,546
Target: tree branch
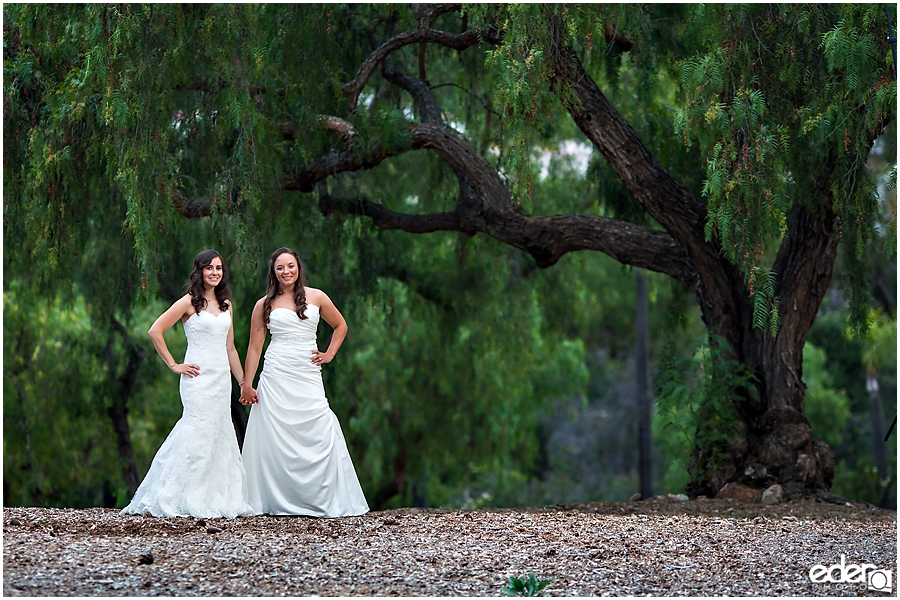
x,y
477,97
425,14
191,208
458,153
423,98
674,207
483,205
386,218
327,122
546,238
803,268
356,158
459,42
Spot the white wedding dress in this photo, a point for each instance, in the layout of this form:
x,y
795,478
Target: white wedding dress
x,y
198,470
294,450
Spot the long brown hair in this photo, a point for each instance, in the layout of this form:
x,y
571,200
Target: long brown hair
x,y
274,287
196,288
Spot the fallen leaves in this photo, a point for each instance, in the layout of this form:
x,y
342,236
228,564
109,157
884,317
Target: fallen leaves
x,y
660,548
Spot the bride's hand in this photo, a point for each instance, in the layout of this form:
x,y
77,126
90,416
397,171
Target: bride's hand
x,y
320,358
248,395
186,369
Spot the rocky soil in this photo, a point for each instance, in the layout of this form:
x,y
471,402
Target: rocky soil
x,y
659,547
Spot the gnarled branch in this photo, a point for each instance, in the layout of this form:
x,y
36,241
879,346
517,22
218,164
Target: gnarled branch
x,y
459,41
546,238
426,13
667,201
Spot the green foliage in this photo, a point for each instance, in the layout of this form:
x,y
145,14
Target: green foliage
x,y
479,334
881,342
844,373
858,479
60,372
766,109
695,417
521,75
116,115
120,105
528,586
767,96
826,409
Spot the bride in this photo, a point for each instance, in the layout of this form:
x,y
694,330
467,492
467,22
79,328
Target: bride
x,y
198,470
294,450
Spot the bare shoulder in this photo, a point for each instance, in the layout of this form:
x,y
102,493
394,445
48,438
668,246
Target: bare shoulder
x,y
182,309
184,304
259,304
315,296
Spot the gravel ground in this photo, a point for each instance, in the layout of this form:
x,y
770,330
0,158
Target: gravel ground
x,y
657,547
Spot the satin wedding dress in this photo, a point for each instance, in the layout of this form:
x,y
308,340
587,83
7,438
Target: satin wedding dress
x,y
294,450
198,470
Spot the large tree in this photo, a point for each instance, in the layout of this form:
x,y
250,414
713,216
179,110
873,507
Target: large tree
x,y
760,119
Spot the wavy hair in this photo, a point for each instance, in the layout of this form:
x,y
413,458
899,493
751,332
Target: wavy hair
x,y
274,288
196,288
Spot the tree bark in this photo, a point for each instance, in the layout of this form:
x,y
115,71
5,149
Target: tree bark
x,y
774,442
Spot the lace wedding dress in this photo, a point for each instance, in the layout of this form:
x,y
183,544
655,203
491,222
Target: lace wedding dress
x,y
294,450
198,470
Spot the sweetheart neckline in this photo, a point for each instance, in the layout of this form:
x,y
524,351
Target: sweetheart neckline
x,y
293,311
209,313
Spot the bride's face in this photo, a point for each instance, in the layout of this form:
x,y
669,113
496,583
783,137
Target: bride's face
x,y
212,273
286,269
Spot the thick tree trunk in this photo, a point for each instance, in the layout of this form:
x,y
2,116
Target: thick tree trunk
x,y
775,443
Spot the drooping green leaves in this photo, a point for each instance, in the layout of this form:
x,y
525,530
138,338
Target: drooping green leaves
x,y
775,94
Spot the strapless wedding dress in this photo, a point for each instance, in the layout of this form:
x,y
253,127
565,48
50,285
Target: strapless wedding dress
x,y
294,450
198,470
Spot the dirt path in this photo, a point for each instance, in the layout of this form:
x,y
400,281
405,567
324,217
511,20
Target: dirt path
x,y
657,547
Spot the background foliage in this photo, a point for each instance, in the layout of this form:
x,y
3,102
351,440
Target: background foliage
x,y
469,377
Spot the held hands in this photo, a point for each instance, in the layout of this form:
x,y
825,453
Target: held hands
x,y
248,395
320,358
186,369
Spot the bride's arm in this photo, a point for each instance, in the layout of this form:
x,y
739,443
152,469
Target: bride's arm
x,y
254,349
329,312
234,361
164,323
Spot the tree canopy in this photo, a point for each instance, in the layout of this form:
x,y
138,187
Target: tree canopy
x,y
728,150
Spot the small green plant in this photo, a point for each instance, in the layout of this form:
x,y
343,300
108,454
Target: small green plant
x,y
528,586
